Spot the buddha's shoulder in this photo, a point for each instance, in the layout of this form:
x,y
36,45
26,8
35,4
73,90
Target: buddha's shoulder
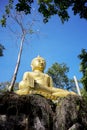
x,y
27,73
46,75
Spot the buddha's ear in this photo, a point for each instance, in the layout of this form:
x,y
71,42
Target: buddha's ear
x,y
32,67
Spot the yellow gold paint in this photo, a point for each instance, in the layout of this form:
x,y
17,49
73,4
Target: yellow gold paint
x,y
37,82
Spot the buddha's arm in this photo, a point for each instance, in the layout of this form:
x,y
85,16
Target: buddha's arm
x,y
50,83
42,88
47,88
27,81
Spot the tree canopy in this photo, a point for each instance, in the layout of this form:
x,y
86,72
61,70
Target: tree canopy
x,y
83,67
48,8
58,72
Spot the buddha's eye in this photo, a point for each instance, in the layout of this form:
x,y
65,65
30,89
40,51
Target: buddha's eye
x,y
39,61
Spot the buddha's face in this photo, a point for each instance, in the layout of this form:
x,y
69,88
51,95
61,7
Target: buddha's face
x,y
38,64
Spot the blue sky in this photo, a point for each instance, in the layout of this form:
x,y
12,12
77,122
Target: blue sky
x,y
56,42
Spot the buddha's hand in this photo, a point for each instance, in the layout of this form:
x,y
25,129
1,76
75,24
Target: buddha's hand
x,y
41,87
36,85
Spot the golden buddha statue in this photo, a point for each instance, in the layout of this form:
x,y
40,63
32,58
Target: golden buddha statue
x,y
37,82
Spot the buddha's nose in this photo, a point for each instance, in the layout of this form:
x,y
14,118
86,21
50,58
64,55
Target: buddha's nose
x,y
41,63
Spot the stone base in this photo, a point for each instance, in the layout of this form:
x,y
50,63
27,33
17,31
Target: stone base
x,y
34,112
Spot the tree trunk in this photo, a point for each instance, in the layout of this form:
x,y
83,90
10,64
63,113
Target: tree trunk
x,y
17,64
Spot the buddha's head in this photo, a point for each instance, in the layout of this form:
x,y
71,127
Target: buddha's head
x,y
38,63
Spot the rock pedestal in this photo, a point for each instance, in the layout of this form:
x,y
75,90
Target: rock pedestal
x,y
34,112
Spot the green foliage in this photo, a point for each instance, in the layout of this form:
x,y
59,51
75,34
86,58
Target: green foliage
x,y
83,67
7,12
4,86
1,49
58,72
71,85
24,5
52,7
84,94
56,7
3,21
49,8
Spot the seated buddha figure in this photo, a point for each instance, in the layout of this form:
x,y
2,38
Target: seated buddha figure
x,y
37,82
